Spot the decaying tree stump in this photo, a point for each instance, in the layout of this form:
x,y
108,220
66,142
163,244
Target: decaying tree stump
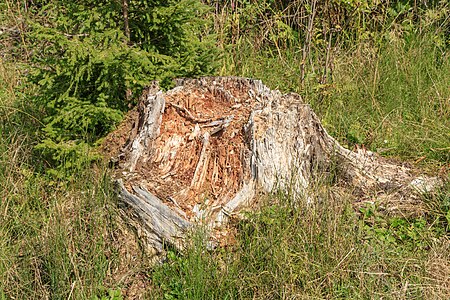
x,y
200,152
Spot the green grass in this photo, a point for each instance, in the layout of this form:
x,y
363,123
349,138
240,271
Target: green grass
x,y
62,238
393,98
399,100
54,235
314,252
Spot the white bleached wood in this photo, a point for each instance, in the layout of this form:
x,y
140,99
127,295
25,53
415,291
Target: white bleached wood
x,y
156,223
286,148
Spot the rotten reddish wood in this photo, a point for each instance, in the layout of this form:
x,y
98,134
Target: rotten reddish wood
x,y
200,152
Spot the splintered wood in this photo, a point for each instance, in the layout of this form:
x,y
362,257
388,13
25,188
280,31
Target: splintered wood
x,y
200,152
197,155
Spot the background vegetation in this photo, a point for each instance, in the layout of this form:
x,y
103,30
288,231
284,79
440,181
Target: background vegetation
x,y
376,72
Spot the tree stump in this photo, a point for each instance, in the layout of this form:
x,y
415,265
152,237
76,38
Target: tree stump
x,y
201,152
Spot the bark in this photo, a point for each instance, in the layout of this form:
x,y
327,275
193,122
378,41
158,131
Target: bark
x,y
125,19
201,152
126,25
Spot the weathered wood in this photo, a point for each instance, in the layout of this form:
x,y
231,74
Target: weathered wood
x,y
205,148
151,108
156,222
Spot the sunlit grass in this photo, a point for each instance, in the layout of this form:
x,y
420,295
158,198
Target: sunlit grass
x,y
393,99
59,239
306,251
54,235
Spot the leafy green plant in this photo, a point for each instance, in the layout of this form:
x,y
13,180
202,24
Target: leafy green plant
x,y
110,295
90,70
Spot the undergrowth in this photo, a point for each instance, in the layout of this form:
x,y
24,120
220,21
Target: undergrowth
x,y
306,251
394,99
375,72
55,236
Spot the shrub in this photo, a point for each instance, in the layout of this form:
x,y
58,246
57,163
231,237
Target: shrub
x,y
90,67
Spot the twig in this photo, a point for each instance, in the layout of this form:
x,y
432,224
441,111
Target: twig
x,y
71,290
221,124
128,92
307,45
369,273
76,35
188,115
125,19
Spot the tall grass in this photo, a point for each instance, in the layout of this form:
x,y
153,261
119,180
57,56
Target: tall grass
x,y
389,92
55,236
397,100
317,251
61,239
392,98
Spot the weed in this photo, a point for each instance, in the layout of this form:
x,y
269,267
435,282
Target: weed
x,y
377,74
308,251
